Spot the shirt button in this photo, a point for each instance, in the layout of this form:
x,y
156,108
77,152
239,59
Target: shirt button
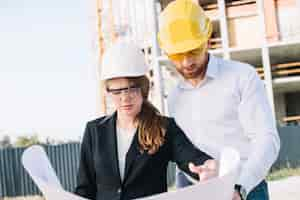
x,y
119,190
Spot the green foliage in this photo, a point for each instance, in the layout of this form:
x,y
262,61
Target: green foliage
x,y
25,141
283,173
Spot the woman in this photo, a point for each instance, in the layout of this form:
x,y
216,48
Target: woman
x,y
125,155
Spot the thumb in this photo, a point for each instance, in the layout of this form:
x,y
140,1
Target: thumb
x,y
195,169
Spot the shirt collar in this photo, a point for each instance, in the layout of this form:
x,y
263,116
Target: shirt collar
x,y
211,73
212,67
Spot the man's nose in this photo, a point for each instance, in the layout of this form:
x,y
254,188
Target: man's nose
x,y
186,61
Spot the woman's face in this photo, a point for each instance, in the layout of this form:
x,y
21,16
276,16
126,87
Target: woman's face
x,y
126,97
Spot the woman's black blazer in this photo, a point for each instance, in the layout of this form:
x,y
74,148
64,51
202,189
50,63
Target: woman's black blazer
x,y
99,177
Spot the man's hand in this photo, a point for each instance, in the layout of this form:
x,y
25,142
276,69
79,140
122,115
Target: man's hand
x,y
206,171
236,196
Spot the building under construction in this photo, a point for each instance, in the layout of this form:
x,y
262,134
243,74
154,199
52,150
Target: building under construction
x,y
263,33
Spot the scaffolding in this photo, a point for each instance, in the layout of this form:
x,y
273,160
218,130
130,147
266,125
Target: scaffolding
x,y
263,33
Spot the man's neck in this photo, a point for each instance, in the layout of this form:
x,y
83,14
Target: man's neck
x,y
195,81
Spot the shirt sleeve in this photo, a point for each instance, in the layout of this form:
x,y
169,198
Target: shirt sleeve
x,y
170,102
86,183
259,125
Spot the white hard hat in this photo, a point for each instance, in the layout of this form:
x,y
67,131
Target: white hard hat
x,y
123,59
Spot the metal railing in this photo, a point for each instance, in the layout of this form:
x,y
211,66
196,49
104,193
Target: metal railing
x,y
14,181
282,70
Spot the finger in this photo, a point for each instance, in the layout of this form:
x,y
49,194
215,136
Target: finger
x,y
195,169
211,164
207,174
236,196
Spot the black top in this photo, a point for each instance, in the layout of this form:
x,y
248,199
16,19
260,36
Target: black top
x,y
99,177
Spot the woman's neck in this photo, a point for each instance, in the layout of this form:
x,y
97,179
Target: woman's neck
x,y
126,122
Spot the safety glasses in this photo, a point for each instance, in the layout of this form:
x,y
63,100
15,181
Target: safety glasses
x,y
193,53
132,91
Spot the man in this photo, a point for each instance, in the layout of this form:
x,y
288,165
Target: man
x,y
218,102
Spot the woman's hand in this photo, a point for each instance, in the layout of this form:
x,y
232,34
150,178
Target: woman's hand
x,y
206,171
236,196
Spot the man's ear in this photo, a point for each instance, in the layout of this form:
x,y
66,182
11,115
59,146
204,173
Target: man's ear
x,y
208,44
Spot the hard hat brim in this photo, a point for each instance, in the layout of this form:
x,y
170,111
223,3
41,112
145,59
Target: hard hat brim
x,y
183,46
120,75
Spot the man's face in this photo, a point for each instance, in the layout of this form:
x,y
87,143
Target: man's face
x,y
191,64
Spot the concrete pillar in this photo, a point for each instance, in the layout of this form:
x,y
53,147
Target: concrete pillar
x,y
271,21
157,74
224,28
266,56
280,107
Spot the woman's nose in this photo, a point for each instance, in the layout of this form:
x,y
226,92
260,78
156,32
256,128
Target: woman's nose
x,y
125,96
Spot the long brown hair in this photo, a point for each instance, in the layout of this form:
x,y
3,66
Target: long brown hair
x,y
151,124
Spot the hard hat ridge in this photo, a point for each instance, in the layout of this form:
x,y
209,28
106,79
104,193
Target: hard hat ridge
x,y
123,59
183,27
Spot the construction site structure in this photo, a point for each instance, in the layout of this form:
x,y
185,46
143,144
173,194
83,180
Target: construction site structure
x,y
263,33
132,20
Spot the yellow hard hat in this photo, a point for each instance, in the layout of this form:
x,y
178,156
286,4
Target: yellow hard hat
x,y
183,27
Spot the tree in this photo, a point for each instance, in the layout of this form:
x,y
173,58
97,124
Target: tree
x,y
25,141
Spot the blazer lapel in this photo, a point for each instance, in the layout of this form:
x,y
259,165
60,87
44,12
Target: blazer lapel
x,y
132,154
135,160
112,146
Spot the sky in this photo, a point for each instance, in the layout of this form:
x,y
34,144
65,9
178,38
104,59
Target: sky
x,y
48,61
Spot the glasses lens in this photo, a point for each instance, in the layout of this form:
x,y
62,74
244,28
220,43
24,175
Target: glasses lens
x,y
176,57
196,52
180,56
134,90
131,90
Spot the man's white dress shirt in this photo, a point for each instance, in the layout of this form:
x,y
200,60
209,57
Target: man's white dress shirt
x,y
229,108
